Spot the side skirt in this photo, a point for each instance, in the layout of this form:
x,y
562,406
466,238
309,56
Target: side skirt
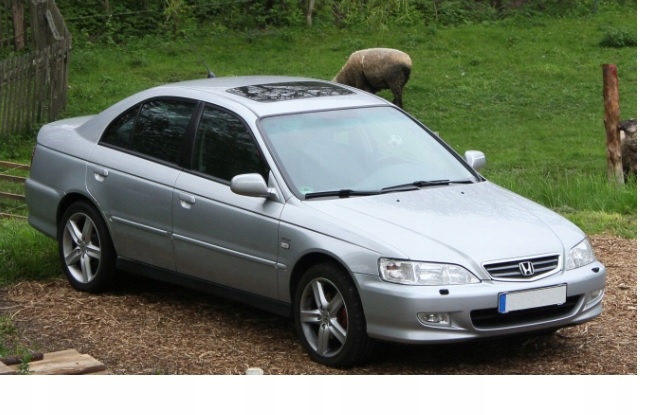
x,y
264,303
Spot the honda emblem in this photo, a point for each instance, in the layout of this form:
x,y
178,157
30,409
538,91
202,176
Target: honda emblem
x,y
526,268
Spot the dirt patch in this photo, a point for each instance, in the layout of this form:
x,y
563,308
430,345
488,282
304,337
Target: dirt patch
x,y
149,327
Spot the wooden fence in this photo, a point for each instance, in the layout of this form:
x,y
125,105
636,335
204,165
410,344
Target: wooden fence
x,y
34,80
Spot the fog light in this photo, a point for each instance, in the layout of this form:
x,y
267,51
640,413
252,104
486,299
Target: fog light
x,y
435,319
594,295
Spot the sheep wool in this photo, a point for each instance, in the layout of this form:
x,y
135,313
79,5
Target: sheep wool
x,y
376,69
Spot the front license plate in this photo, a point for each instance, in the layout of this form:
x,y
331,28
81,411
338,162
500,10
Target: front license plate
x,y
522,300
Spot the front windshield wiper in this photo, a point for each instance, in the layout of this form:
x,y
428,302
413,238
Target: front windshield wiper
x,y
342,193
423,183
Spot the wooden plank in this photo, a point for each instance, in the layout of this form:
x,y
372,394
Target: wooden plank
x,y
67,353
5,84
10,216
64,362
11,165
6,370
12,196
13,179
16,359
78,365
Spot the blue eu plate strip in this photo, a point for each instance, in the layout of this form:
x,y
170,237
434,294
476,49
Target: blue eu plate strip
x,y
502,303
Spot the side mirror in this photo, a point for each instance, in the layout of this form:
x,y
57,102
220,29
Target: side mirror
x,y
475,159
250,184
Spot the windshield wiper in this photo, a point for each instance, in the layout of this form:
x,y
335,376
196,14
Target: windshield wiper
x,y
423,183
342,193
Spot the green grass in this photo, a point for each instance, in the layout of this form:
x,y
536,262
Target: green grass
x,y
8,335
10,345
25,254
527,92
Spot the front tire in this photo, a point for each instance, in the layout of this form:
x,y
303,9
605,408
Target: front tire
x,y
86,251
329,317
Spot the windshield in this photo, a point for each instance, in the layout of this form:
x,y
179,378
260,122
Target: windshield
x,y
358,150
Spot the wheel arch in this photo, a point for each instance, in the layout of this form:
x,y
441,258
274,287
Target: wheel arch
x,y
311,259
71,198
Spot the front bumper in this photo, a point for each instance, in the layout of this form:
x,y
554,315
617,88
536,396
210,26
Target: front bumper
x,y
391,310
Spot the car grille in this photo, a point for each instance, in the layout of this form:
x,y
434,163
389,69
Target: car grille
x,y
491,318
536,267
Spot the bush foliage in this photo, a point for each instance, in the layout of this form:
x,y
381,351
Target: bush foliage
x,y
116,22
618,38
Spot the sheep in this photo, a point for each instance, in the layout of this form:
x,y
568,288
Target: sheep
x,y
375,69
629,141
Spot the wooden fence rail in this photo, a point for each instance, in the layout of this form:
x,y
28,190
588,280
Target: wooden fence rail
x,y
33,83
13,179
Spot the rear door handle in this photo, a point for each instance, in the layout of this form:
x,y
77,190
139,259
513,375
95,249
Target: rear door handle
x,y
100,173
186,200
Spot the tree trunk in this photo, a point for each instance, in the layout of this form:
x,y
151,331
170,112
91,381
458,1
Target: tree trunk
x,y
611,123
18,12
309,12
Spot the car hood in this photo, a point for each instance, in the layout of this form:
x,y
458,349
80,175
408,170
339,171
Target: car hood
x,y
458,223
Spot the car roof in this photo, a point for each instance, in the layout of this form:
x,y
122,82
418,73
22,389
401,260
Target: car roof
x,y
269,95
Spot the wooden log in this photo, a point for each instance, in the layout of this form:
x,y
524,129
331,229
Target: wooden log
x,y
611,122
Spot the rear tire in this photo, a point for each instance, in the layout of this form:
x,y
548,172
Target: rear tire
x,y
86,251
329,317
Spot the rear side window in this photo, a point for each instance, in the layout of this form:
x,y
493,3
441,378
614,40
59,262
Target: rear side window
x,y
119,132
225,148
155,129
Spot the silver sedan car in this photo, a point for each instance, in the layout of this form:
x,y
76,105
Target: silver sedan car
x,y
313,200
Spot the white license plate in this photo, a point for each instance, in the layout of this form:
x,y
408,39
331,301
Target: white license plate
x,y
523,300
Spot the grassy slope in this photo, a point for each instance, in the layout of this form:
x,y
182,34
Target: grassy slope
x,y
526,92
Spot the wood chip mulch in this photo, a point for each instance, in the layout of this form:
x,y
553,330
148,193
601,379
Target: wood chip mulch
x,y
153,328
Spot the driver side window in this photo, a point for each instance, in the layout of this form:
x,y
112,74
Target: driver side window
x,y
225,148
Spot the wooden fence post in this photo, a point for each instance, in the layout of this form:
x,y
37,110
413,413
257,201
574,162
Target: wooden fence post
x,y
611,123
18,18
40,27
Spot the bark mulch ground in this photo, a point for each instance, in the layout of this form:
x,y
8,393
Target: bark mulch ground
x,y
153,328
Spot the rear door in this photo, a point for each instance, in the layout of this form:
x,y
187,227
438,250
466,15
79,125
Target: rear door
x,y
131,176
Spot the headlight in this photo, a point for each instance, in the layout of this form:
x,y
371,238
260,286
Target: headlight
x,y
580,255
424,273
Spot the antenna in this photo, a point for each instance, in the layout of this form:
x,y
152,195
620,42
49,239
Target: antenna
x,y
210,74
